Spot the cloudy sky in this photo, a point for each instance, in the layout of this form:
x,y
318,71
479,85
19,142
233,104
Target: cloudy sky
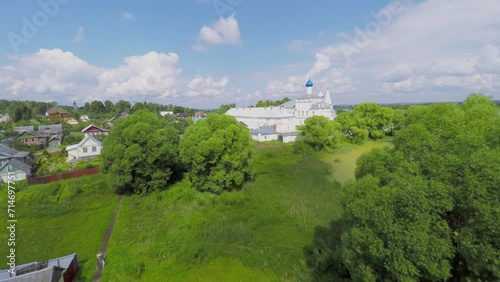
x,y
202,53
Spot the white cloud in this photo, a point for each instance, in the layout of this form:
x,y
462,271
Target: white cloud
x,y
432,51
200,86
47,75
80,35
128,16
150,75
224,31
322,63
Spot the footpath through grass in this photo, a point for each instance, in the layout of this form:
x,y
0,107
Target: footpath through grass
x,y
59,219
256,234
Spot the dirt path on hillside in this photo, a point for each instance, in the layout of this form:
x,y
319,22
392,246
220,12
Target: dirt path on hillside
x,y
104,246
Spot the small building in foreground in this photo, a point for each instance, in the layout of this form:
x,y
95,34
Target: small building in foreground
x,y
263,134
288,137
53,270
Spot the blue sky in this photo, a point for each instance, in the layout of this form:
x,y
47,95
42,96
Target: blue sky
x,y
202,53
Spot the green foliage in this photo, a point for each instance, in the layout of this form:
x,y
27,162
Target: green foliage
x,y
72,139
225,107
321,133
217,152
254,234
426,209
269,103
141,154
369,120
61,218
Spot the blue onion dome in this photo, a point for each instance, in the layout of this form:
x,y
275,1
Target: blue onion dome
x,y
309,83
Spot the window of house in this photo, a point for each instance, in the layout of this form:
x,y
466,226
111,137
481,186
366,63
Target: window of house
x,y
94,149
85,150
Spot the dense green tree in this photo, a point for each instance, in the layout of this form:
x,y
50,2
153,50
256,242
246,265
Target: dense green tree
x,y
217,152
19,111
269,103
96,107
141,154
427,208
122,106
321,133
225,107
369,120
109,107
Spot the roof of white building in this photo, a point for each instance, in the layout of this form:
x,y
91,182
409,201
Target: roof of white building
x,y
264,130
84,140
268,112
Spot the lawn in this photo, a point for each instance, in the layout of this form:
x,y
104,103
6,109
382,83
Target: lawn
x,y
344,163
59,219
256,234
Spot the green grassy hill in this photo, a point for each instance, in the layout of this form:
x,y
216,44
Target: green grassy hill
x,y
256,234
59,219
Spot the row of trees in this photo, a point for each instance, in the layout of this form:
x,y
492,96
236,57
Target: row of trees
x,y
368,120
145,152
269,103
426,209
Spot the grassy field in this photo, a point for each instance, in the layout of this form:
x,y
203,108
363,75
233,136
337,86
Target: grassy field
x,y
343,164
59,219
256,234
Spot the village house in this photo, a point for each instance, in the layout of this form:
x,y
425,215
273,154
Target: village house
x,y
33,138
166,113
57,113
88,148
95,130
51,129
7,153
5,118
84,118
72,121
263,134
55,141
14,167
61,269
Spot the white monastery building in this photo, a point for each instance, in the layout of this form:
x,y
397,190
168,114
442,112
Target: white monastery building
x,y
286,117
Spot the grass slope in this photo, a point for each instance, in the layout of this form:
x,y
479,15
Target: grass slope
x,y
344,163
61,218
256,234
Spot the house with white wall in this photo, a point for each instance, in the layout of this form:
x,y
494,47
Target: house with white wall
x,y
88,148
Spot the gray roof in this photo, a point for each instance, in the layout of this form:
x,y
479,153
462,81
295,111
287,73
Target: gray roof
x,y
7,151
61,262
264,130
23,128
22,166
12,153
50,129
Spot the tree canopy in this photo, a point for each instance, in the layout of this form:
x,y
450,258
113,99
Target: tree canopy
x,y
321,133
141,154
427,208
217,152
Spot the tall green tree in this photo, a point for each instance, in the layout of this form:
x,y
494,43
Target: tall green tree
x,y
141,154
109,107
217,152
321,133
427,209
122,106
